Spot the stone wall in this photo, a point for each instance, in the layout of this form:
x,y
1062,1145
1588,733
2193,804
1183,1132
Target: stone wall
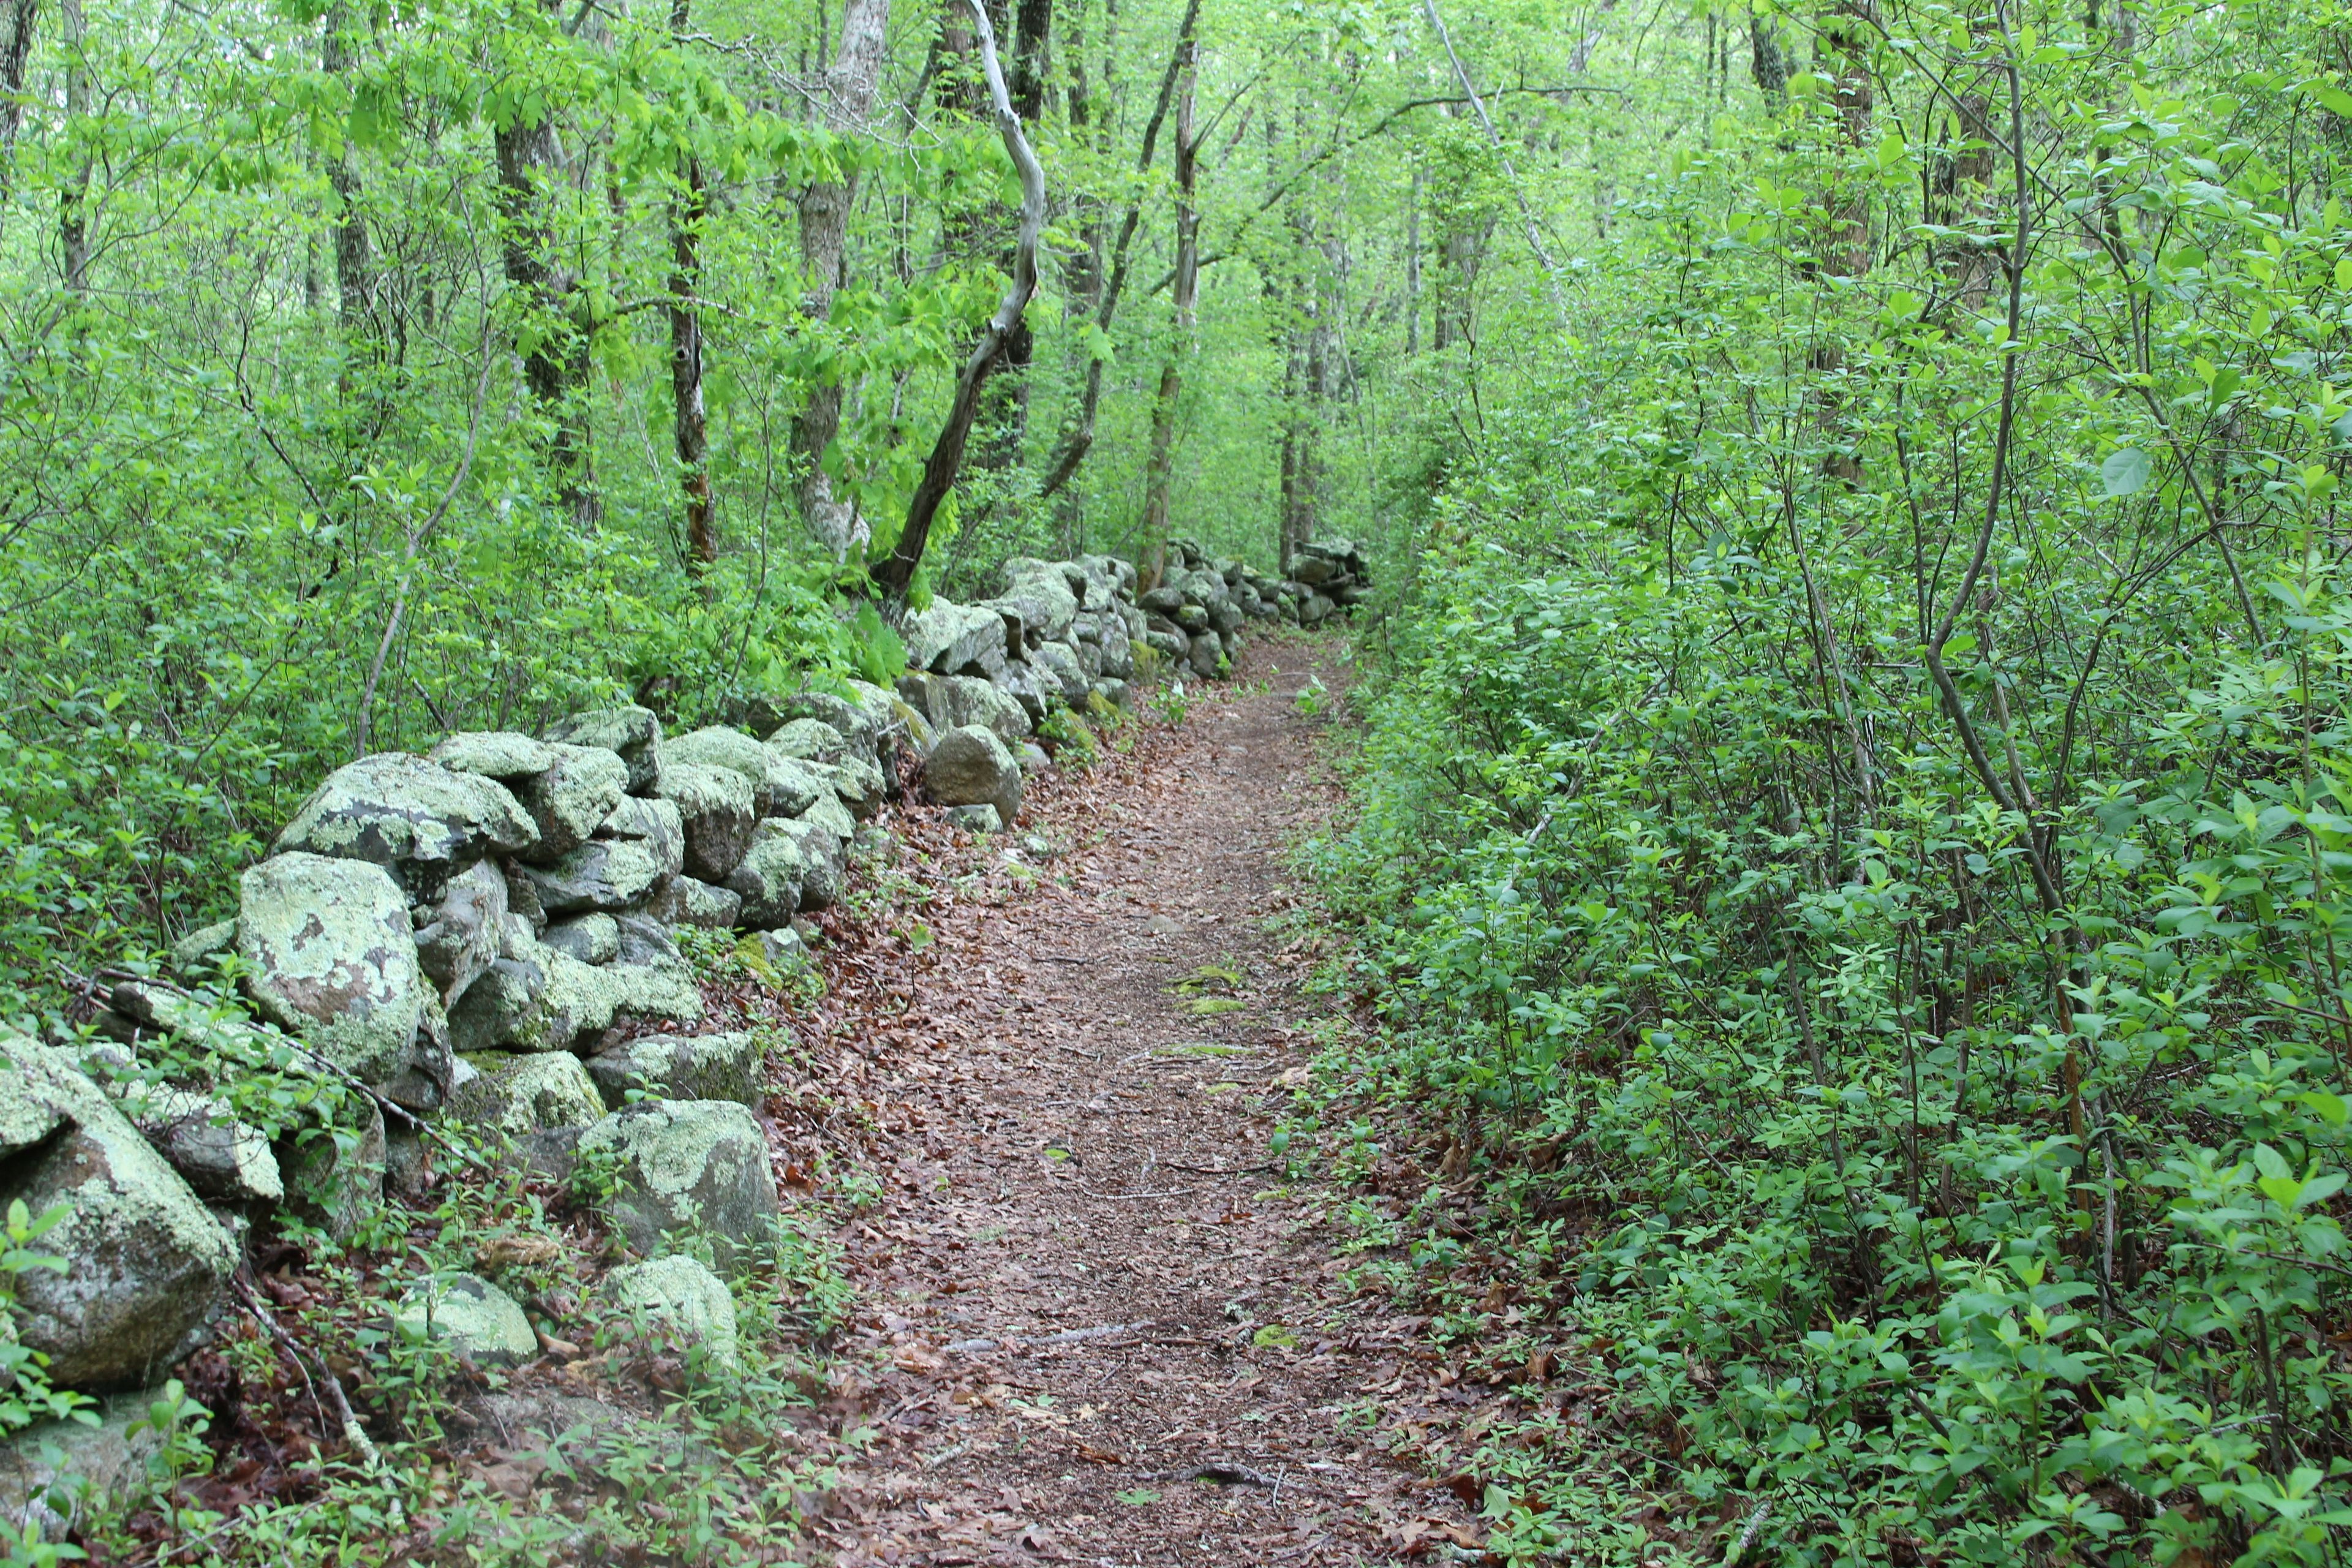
x,y
448,941
1327,577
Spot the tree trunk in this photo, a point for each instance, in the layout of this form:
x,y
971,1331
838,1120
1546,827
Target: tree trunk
x,y
73,201
689,435
896,573
1032,28
1153,547
16,27
354,260
1766,62
555,352
1412,265
825,233
1079,438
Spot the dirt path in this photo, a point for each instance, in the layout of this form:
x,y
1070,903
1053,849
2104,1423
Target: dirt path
x,y
1098,1336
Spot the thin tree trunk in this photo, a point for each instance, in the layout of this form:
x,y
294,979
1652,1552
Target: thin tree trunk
x,y
555,355
73,202
16,48
1412,265
825,233
896,573
689,429
354,260
1518,192
1154,545
1079,438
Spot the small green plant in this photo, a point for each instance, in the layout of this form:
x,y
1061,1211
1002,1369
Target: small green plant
x,y
1067,736
27,1397
1311,698
1172,704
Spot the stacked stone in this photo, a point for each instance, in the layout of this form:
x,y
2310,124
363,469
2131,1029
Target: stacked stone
x,y
1326,578
455,936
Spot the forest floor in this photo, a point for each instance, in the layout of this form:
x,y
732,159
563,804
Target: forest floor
x,y
1096,1326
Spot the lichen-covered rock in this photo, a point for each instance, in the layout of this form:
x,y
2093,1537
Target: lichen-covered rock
x,y
716,806
634,734
499,755
567,789
1042,592
656,824
602,874
824,855
1059,662
684,901
591,939
976,818
811,740
571,799
679,1296
146,1264
685,1165
422,822
769,880
661,989
948,637
858,784
223,1160
203,948
58,1475
718,746
472,1317
681,1067
952,701
918,729
332,958
1023,684
1207,655
516,1095
969,766
458,936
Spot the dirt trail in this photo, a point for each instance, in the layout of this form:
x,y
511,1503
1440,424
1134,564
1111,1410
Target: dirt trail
x,y
1097,1337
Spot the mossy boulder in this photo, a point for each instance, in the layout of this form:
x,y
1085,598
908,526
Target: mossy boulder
x,y
681,1067
333,957
516,1095
472,1317
422,822
697,1165
683,1300
632,733
970,766
716,806
147,1264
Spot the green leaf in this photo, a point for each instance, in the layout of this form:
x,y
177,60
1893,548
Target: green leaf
x,y
2125,471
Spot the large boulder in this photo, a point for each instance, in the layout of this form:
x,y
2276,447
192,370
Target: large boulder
x,y
536,998
591,939
857,783
810,740
681,1067
422,822
518,1095
571,799
823,854
948,637
1058,662
970,766
1042,594
952,701
332,956
684,1164
634,734
716,804
767,883
785,781
457,935
602,874
146,1264
684,901
654,824
470,1316
223,1160
678,1297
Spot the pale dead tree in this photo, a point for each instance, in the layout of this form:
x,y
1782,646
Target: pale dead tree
x,y
1518,192
896,571
1152,559
824,207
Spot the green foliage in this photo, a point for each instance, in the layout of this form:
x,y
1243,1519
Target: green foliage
x,y
27,1395
1069,738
